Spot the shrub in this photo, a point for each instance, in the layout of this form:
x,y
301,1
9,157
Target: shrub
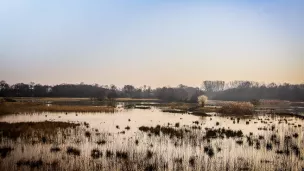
x,y
202,100
237,108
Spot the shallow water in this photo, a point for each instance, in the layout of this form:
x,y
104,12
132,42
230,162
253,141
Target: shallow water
x,y
166,150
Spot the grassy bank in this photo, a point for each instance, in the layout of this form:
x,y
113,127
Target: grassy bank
x,y
28,107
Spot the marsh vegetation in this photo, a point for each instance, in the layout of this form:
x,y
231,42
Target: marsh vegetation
x,y
30,107
150,139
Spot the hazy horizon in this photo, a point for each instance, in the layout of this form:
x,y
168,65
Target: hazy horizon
x,y
156,43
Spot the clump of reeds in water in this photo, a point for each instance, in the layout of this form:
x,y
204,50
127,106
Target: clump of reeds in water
x,y
127,128
95,154
87,134
55,149
269,146
4,151
101,142
239,142
122,155
192,161
221,132
209,151
149,154
164,130
109,153
30,163
73,151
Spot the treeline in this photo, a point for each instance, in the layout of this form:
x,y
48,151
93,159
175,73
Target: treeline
x,y
248,90
180,93
216,90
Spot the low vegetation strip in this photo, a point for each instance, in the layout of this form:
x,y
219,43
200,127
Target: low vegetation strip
x,y
137,100
49,99
28,107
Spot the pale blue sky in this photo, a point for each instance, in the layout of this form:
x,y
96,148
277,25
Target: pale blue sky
x,y
151,42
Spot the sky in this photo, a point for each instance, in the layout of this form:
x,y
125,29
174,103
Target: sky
x,y
156,42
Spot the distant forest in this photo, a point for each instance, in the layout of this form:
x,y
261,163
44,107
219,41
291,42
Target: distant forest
x,y
216,90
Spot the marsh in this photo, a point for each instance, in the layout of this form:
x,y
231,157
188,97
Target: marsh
x,y
152,139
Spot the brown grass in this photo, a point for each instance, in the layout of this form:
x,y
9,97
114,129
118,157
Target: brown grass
x,y
28,107
46,99
72,99
237,108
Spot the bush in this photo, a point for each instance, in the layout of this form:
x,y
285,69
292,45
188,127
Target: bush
x,y
237,108
202,100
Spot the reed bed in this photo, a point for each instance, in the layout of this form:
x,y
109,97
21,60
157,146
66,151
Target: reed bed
x,y
237,108
42,129
28,107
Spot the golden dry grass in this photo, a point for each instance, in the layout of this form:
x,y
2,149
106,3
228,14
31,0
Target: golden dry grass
x,y
28,107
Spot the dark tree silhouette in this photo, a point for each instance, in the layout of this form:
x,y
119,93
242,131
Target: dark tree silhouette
x,y
216,90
